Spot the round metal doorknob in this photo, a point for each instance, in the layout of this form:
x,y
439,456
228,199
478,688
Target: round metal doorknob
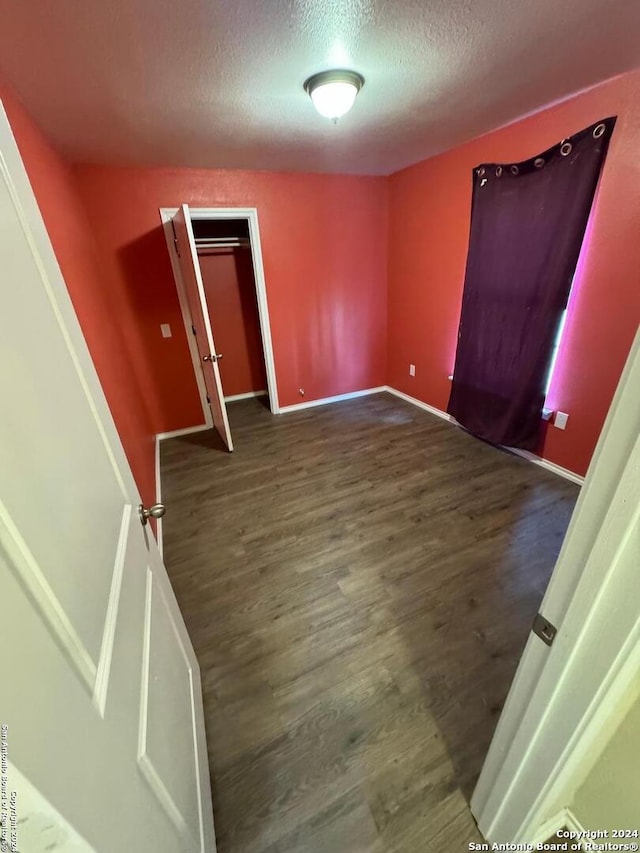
x,y
155,511
214,357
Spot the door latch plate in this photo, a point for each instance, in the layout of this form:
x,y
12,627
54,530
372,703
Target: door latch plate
x,y
544,629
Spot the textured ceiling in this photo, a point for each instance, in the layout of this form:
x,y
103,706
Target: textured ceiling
x,y
218,83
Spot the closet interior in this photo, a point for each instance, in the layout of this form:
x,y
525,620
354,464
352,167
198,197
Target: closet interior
x,y
226,265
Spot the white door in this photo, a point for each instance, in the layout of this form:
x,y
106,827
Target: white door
x,y
194,291
99,689
561,695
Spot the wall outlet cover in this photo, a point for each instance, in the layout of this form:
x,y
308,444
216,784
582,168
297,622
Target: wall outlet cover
x,y
165,328
412,370
561,420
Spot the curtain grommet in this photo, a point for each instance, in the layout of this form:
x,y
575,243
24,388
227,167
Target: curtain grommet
x,y
514,169
480,171
498,171
566,148
538,162
598,130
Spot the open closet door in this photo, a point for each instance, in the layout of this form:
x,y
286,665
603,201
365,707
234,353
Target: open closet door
x,y
194,290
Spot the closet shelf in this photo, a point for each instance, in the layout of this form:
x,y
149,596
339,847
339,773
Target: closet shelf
x,y
209,244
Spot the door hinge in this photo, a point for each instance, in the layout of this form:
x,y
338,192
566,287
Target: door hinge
x,y
193,328
175,240
208,399
544,629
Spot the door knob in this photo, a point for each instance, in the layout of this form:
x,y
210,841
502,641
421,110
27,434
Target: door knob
x,y
214,357
155,511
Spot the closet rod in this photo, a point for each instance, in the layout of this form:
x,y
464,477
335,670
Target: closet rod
x,y
200,250
217,250
208,242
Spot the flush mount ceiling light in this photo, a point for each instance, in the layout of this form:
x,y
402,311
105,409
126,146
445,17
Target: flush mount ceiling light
x,y
334,92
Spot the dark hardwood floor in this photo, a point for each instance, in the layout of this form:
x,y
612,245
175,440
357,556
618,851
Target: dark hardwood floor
x,y
358,581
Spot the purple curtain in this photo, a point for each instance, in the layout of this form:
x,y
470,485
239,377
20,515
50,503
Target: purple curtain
x,y
527,224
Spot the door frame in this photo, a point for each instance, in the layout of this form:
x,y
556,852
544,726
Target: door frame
x,y
250,215
560,709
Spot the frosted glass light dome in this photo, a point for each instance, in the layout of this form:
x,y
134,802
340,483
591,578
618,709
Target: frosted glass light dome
x,y
334,92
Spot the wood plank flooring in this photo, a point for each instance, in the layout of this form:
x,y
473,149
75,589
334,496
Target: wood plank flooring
x,y
358,581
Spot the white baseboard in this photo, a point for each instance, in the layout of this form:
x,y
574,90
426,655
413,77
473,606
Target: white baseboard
x,y
186,431
572,823
424,406
564,819
323,401
234,397
158,496
525,454
550,466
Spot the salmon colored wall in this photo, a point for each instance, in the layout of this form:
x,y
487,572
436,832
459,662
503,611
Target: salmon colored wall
x,y
75,250
324,243
428,240
233,310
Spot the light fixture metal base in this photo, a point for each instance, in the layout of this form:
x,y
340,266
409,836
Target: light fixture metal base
x,y
335,75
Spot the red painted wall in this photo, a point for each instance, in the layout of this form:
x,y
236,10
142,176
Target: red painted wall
x,y
428,240
233,310
75,250
324,246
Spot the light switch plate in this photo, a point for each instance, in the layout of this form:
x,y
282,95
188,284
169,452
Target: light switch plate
x,y
561,420
165,328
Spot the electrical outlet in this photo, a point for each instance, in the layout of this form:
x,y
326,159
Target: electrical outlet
x,y
412,370
561,420
301,392
165,328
